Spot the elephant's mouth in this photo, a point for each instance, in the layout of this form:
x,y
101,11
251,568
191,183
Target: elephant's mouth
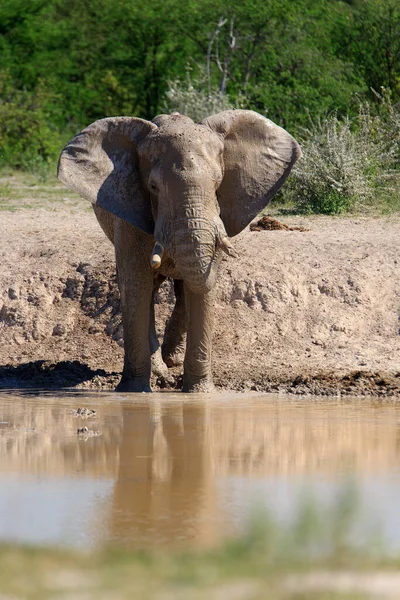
x,y
194,246
197,270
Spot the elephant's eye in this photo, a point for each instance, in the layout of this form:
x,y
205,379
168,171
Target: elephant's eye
x,y
153,186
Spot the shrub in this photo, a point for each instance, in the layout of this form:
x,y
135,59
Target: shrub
x,y
191,98
348,164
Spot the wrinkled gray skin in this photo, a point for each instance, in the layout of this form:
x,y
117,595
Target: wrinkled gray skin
x,y
187,188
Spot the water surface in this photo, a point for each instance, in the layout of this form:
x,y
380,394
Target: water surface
x,y
167,469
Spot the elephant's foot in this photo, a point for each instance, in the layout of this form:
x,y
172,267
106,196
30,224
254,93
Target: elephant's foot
x,y
174,354
133,385
204,385
158,367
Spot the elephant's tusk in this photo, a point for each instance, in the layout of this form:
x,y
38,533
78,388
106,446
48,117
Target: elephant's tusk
x,y
227,247
156,256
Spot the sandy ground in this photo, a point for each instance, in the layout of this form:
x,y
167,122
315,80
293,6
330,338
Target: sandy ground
x,y
313,311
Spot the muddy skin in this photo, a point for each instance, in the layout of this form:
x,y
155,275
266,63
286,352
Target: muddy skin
x,y
170,193
174,344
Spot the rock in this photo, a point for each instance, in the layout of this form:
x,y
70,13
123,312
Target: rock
x,y
59,330
83,412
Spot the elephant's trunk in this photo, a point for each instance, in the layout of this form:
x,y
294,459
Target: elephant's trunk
x,y
194,246
194,255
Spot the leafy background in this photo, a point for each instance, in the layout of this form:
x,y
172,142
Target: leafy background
x,y
68,63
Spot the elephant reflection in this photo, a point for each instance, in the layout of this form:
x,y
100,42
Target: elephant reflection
x,y
164,471
165,487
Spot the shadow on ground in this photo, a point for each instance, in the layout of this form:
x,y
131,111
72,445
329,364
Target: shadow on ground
x,y
47,375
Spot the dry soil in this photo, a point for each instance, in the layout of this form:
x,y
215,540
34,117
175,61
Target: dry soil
x,y
311,308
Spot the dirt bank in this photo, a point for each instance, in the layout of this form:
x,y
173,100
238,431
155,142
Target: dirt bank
x,y
311,310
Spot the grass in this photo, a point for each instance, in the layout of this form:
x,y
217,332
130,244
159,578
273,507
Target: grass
x,y
26,190
22,190
272,560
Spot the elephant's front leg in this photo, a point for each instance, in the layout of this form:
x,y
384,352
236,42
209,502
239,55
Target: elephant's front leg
x,y
158,367
135,280
197,376
173,348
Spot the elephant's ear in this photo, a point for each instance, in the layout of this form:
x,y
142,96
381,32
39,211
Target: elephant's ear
x,y
101,164
258,156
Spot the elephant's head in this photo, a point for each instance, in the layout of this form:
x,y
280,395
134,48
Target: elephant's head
x,y
191,186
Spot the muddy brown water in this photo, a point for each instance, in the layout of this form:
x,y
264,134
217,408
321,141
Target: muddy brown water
x,y
170,469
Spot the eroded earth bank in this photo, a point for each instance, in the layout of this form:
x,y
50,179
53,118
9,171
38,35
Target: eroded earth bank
x,y
314,311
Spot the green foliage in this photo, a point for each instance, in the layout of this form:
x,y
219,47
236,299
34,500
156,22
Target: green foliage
x,y
348,164
369,36
66,64
105,58
27,139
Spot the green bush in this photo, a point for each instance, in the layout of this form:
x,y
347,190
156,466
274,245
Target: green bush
x,y
191,98
28,140
348,164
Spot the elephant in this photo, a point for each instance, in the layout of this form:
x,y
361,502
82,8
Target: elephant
x,y
169,194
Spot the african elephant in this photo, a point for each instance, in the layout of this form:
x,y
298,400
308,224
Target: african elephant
x,y
169,194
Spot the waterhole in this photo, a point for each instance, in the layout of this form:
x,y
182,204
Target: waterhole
x,y
165,470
